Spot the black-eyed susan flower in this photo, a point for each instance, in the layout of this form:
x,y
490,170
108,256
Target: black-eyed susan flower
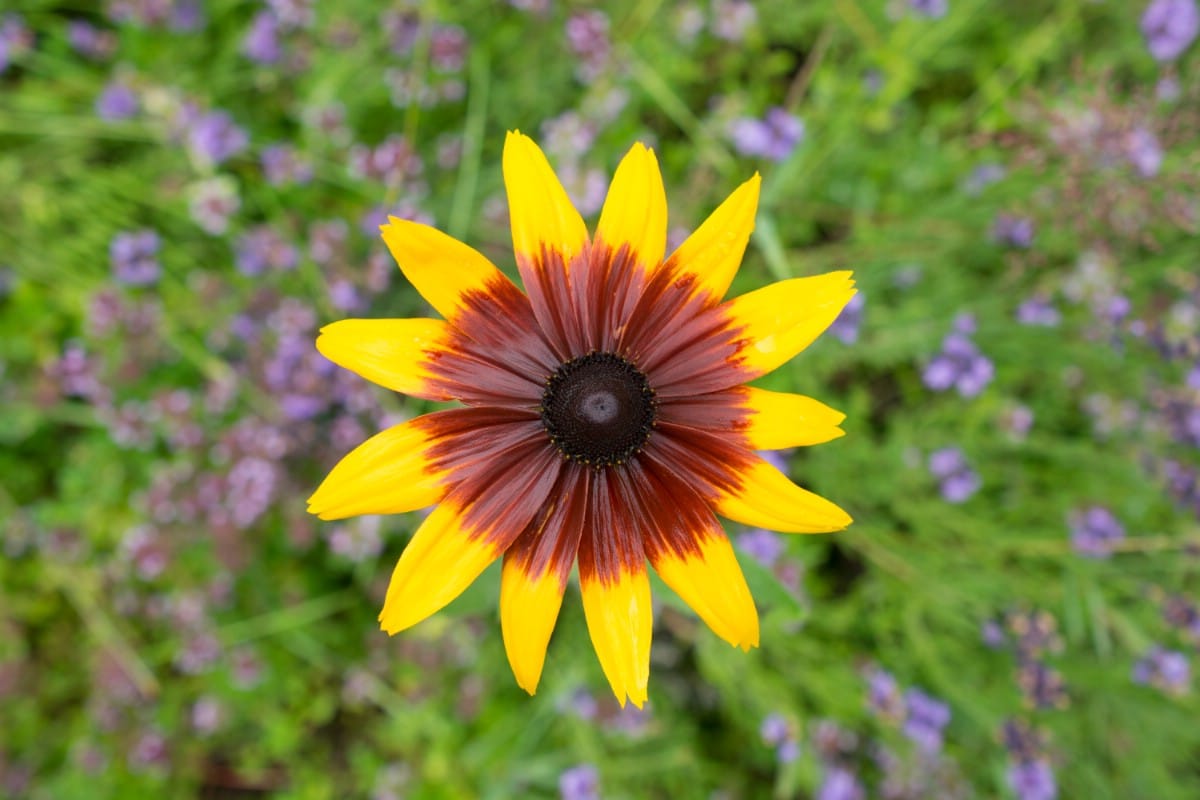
x,y
605,420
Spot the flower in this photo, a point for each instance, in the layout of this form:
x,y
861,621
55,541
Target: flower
x,y
134,256
605,419
957,480
1170,27
1032,780
580,782
1095,532
773,137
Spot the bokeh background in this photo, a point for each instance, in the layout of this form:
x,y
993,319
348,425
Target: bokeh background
x,y
189,189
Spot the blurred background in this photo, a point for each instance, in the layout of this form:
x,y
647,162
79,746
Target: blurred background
x,y
189,189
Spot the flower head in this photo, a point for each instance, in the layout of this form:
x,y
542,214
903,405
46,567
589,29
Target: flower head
x,y
1170,27
605,420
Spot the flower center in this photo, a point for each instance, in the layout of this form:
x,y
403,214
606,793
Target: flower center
x,y
598,409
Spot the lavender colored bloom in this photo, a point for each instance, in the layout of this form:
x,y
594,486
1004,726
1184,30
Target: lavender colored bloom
x,y
1032,780
934,9
846,326
579,783
1193,377
1095,531
960,366
775,729
1038,310
448,48
358,540
773,137
992,634
187,16
15,39
90,41
116,102
732,19
293,14
1013,231
840,784
261,43
1144,152
250,488
150,750
206,715
212,202
1018,421
1165,669
587,36
883,695
981,177
134,257
282,165
958,481
924,720
1170,27
213,138
787,751
261,249
762,545
587,188
1041,685
581,703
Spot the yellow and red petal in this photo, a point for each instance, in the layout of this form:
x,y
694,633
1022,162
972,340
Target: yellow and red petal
x,y
708,578
390,473
615,585
635,210
444,270
539,209
619,620
529,606
776,322
777,420
443,558
765,498
536,568
394,353
713,253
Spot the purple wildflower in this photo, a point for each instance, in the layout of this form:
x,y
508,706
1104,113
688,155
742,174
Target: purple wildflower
x,y
587,188
293,14
1017,421
1095,531
282,165
840,784
261,249
187,16
212,202
250,488
1167,670
958,480
960,366
981,177
116,102
448,48
1041,685
883,695
206,715
774,729
15,39
150,750
1144,152
846,326
1170,27
732,19
587,36
261,43
924,719
787,751
1013,231
1032,780
762,545
580,703
992,634
213,138
579,783
134,257
1038,310
358,540
773,137
90,41
934,9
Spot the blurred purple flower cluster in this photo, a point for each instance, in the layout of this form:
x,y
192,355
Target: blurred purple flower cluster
x,y
1170,27
1095,531
921,717
134,257
1167,670
772,137
960,365
957,481
778,733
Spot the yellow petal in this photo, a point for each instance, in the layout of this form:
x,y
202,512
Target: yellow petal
x,y
635,210
528,610
443,269
714,251
619,619
538,206
393,353
780,320
386,474
780,419
767,499
711,582
440,562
